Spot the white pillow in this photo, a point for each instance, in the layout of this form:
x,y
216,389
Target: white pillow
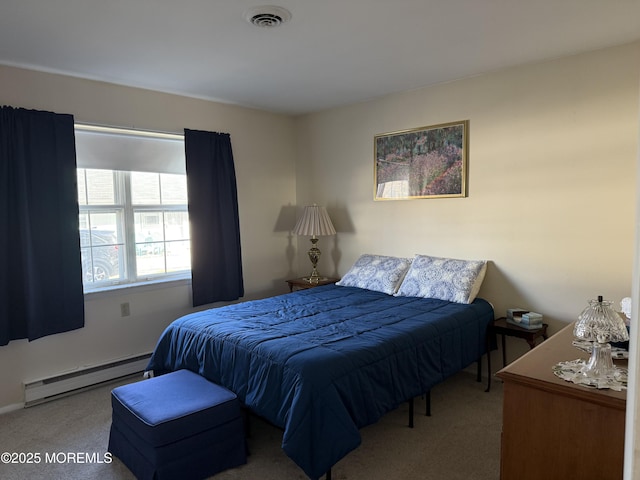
x,y
376,272
443,278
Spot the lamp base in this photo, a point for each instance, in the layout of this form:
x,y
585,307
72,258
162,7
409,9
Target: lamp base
x,y
314,255
571,371
600,364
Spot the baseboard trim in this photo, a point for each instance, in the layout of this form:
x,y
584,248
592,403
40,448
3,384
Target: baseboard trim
x,y
11,408
62,384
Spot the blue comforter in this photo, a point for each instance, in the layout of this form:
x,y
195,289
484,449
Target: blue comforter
x,y
322,363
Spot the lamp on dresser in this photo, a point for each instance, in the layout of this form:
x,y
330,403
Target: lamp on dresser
x,y
314,222
600,324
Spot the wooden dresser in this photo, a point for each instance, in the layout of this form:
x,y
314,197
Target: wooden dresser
x,y
557,430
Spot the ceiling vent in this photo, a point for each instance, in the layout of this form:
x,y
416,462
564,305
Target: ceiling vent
x,y
267,16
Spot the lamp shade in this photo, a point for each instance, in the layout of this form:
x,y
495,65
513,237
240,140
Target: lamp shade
x,y
314,221
600,323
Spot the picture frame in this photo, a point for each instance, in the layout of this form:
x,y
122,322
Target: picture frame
x,y
424,162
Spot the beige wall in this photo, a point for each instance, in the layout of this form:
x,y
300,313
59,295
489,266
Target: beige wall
x,y
552,180
264,154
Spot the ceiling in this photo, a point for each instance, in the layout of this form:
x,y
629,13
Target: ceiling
x,y
331,52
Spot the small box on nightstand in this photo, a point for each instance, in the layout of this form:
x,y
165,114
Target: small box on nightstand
x,y
516,312
528,320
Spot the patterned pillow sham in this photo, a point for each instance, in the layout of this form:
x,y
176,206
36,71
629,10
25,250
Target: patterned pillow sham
x,y
376,272
443,278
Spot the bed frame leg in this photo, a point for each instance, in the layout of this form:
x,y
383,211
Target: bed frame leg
x,y
488,352
489,360
328,475
411,413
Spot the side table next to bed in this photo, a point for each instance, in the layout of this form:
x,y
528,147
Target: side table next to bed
x,y
302,283
501,327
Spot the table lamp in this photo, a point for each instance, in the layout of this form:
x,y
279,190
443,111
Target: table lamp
x,y
315,222
600,324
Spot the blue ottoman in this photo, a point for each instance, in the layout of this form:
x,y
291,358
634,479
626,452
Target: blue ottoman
x,y
176,426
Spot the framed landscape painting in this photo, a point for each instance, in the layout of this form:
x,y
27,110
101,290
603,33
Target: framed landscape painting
x,y
425,162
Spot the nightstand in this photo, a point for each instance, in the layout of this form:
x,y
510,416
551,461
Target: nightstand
x,y
302,284
504,328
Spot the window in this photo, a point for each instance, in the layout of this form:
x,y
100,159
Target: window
x,y
134,225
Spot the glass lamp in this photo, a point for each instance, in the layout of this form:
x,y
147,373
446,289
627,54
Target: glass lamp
x,y
600,324
314,222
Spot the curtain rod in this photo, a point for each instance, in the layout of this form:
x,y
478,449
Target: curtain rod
x,y
127,131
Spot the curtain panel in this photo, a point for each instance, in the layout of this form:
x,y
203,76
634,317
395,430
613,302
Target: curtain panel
x,y
41,275
216,260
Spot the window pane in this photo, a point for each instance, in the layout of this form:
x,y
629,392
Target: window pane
x,y
174,189
162,242
84,227
150,259
178,256
101,255
100,264
176,225
148,226
145,188
101,223
100,187
82,190
149,235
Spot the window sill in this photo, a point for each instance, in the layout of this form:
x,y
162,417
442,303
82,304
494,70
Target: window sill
x,y
139,287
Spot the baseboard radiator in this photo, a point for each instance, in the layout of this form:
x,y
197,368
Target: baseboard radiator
x,y
46,389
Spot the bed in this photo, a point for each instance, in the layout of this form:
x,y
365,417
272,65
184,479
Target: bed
x,y
324,362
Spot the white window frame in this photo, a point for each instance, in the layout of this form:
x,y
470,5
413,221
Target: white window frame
x,y
124,205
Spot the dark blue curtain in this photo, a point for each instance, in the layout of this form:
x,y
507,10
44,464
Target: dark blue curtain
x,y
216,261
40,267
